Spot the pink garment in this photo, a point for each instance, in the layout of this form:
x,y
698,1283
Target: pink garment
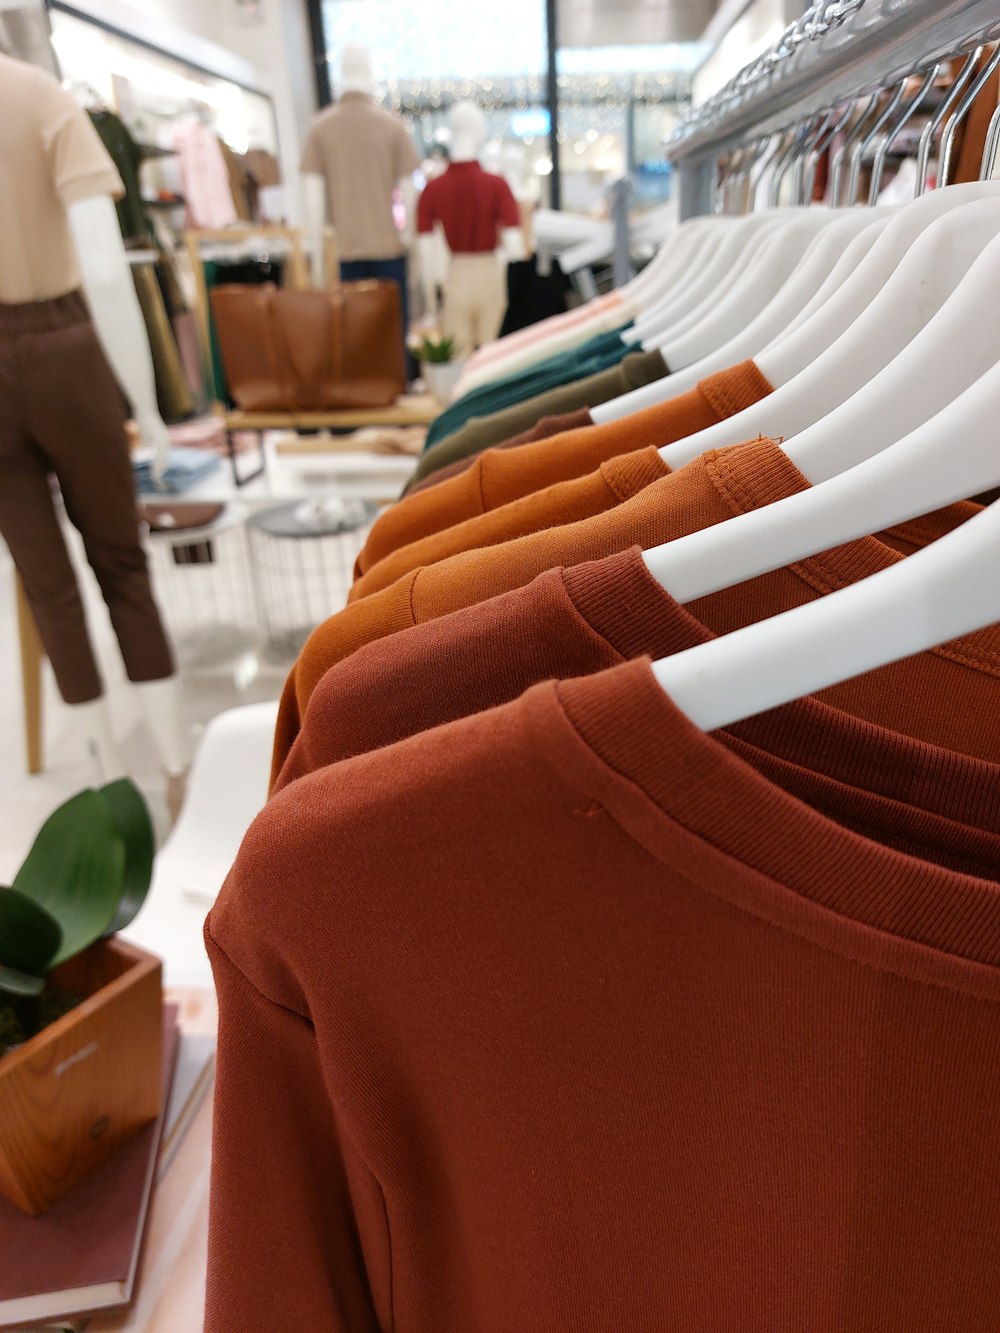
x,y
204,177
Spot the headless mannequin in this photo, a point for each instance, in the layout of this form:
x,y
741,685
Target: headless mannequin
x,y
468,135
121,331
62,411
357,81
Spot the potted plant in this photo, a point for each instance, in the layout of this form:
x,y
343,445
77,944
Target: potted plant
x,y
80,1011
437,366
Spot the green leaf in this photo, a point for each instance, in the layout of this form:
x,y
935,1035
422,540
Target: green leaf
x,y
76,870
19,983
131,814
29,935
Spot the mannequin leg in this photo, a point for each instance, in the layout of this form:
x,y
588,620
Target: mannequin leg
x,y
161,703
94,720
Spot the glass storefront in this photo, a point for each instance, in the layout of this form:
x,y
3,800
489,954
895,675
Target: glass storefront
x,y
613,104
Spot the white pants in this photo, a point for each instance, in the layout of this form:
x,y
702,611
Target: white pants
x,y
475,298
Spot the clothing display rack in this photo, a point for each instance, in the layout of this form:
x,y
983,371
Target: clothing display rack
x,y
839,50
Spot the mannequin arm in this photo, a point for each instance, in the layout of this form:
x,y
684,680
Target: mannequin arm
x,y
314,198
118,321
512,244
409,193
434,257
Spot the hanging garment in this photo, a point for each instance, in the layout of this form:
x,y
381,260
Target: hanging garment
x,y
77,433
204,176
708,490
636,370
663,1037
173,391
240,185
533,296
127,157
499,476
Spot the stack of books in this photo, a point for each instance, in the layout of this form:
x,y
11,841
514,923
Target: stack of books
x,y
82,1255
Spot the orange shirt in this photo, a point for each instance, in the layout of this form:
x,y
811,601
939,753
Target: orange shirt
x,y
712,488
500,476
613,482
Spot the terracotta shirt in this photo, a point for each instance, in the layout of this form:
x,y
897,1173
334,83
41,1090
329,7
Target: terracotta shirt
x,y
573,622
712,488
50,158
632,1035
637,369
497,478
362,151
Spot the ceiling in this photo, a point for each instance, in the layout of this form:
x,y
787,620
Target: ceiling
x,y
590,23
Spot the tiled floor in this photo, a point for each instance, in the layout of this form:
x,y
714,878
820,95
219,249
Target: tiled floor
x,y
212,681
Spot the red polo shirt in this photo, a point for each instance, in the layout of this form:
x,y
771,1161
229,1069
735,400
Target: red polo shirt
x,y
471,204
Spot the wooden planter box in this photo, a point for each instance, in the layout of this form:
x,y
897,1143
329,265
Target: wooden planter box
x,y
69,1096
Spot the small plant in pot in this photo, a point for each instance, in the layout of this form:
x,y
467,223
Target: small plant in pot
x,y
80,1012
439,368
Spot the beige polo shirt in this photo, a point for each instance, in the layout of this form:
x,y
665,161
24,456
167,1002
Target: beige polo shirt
x,y
362,151
50,158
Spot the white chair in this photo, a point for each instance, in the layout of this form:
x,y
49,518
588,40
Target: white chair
x,y
226,788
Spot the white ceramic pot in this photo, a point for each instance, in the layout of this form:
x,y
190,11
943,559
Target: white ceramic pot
x,y
441,378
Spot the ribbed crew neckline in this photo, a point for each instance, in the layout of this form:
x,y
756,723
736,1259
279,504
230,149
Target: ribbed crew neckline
x,y
730,391
618,737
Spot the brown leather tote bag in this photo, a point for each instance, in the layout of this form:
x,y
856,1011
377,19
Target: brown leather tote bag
x,y
311,351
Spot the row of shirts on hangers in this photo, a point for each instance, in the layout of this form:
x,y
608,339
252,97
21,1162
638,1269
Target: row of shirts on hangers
x,y
620,945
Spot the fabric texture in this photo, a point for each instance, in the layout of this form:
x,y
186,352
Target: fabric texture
x,y
362,152
473,301
78,434
471,205
598,353
662,1036
50,158
708,490
499,477
633,372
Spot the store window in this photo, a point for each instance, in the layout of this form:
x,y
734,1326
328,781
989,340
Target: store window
x,y
610,106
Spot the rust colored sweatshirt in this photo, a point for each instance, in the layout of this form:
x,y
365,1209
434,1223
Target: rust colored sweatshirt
x,y
566,1016
574,622
708,490
500,476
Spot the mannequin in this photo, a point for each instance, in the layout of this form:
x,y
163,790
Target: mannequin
x,y
356,155
62,364
469,228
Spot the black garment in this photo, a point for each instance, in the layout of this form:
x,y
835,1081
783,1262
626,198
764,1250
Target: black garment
x,y
532,297
126,155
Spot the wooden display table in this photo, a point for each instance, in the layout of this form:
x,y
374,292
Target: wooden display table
x,y
410,410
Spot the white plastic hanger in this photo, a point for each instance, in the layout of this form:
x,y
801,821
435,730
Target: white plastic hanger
x,y
947,458
958,345
715,272
722,314
839,247
835,307
812,377
672,259
948,589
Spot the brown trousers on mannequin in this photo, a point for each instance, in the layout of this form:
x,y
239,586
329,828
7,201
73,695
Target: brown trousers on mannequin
x,y
61,412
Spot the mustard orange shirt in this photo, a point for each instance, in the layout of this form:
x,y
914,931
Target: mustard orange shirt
x,y
708,490
499,476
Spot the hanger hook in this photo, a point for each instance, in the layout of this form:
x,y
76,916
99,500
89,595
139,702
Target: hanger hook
x,y
934,124
961,111
854,176
889,138
850,139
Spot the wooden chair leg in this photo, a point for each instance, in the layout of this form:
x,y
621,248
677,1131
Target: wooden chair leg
x,y
32,656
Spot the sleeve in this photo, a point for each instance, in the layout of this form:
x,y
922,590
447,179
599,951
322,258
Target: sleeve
x,y
81,166
291,1199
426,212
407,159
312,156
508,213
